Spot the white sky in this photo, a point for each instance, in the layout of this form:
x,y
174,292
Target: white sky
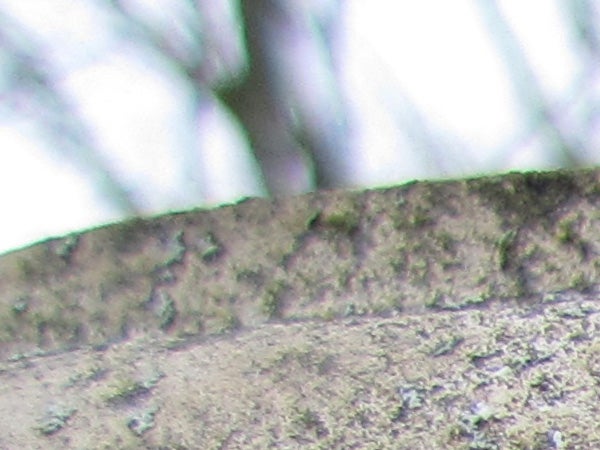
x,y
437,52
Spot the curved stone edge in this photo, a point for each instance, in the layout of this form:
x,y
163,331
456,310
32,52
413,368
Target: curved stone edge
x,y
329,255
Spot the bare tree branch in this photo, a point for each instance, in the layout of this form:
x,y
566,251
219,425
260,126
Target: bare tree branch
x,y
32,91
527,88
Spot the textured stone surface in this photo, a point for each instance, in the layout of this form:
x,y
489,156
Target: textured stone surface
x,y
433,315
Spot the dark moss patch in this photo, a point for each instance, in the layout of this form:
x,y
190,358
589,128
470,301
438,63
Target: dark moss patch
x,y
129,236
537,193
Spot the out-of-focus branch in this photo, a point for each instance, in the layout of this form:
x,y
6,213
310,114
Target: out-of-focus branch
x,y
527,88
199,43
32,91
583,18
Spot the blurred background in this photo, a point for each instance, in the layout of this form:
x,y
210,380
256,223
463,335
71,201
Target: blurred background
x,y
114,108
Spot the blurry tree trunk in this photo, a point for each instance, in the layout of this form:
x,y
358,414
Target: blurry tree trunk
x,y
287,100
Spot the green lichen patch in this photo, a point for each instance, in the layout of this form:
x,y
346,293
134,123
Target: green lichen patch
x,y
504,247
20,307
209,247
345,221
126,390
66,246
271,304
54,419
306,423
343,216
86,376
167,313
446,345
142,422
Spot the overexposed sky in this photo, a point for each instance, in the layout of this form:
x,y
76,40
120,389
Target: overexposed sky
x,y
440,55
431,54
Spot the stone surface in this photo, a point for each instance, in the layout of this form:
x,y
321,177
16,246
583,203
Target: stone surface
x,y
458,314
